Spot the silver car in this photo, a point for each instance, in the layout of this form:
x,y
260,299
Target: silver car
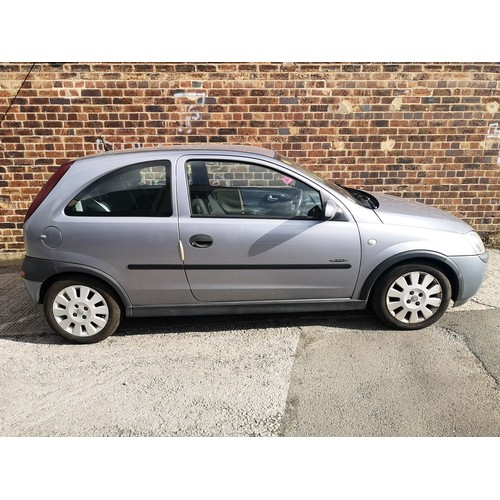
x,y
214,230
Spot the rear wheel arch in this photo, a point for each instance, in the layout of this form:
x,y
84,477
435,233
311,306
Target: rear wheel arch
x,y
114,290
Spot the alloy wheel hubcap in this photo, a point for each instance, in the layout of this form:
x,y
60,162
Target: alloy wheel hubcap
x,y
80,310
414,297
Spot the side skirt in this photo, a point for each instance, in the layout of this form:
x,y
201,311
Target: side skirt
x,y
248,307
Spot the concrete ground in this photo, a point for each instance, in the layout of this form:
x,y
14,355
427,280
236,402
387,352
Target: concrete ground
x,y
339,374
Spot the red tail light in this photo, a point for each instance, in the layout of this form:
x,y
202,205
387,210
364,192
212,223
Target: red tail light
x,y
49,186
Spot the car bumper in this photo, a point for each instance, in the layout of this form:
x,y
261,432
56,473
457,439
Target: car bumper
x,y
473,270
35,272
33,288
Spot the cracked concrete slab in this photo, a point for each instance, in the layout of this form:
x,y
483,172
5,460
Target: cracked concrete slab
x,y
351,379
480,331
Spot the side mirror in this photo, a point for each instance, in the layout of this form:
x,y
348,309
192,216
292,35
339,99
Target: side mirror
x,y
331,211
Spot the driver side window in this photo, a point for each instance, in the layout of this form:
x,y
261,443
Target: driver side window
x,y
236,189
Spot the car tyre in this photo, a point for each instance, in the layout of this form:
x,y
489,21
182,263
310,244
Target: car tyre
x,y
82,310
411,296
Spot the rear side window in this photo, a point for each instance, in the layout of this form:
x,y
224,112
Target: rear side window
x,y
141,190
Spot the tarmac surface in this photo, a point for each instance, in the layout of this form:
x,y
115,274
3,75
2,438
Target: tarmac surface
x,y
335,374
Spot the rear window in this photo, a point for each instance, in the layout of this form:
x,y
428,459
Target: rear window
x,y
140,190
49,186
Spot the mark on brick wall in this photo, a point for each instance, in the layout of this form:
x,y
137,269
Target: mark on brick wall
x,y
387,146
396,104
493,131
345,107
102,145
492,138
192,113
492,107
5,203
7,153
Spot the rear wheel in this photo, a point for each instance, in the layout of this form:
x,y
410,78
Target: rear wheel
x,y
411,296
82,310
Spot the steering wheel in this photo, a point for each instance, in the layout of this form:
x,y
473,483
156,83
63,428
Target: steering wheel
x,y
286,202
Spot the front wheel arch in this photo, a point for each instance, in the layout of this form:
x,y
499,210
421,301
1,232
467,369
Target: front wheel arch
x,y
438,261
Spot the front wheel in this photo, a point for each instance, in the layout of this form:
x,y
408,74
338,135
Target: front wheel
x,y
411,296
82,310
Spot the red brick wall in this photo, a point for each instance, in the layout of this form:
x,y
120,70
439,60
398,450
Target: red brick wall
x,y
418,130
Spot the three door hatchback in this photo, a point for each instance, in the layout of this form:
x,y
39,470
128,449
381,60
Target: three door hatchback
x,y
193,231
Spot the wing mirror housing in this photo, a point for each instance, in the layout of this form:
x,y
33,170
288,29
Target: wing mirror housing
x,y
332,211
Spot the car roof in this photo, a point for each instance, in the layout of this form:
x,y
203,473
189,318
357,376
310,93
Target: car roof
x,y
193,148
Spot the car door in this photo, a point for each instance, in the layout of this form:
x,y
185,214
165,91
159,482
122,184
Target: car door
x,y
251,231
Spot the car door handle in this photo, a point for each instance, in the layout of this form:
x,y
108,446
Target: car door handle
x,y
200,241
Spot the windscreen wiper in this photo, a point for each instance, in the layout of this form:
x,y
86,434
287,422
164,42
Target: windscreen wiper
x,y
366,199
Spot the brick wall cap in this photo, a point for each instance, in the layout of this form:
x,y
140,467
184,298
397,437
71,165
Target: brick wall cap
x,y
212,148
